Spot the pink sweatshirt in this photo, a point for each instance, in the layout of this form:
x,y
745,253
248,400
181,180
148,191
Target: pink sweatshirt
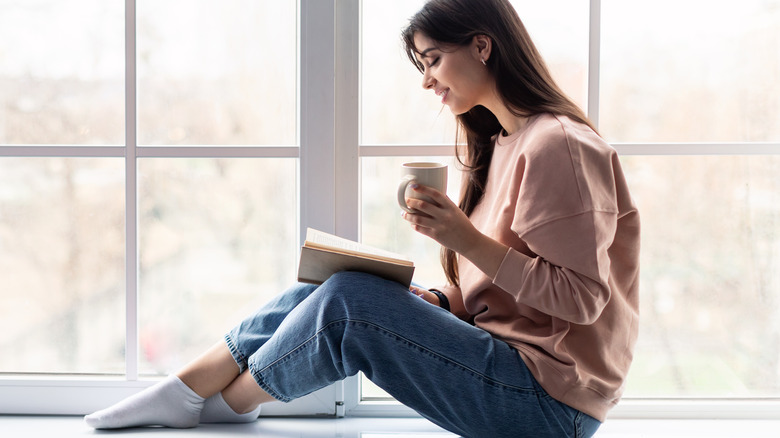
x,y
566,294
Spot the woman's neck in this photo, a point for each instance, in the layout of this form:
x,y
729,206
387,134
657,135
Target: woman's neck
x,y
508,120
511,123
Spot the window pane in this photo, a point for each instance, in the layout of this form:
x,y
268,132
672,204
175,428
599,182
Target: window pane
x,y
62,72
563,39
705,72
395,108
710,291
62,256
217,240
217,72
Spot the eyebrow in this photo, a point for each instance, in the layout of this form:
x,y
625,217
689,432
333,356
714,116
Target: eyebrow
x,y
424,53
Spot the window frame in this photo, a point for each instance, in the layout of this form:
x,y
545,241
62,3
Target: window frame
x,y
315,151
629,407
328,154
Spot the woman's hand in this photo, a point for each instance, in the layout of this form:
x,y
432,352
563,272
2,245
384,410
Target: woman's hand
x,y
426,295
445,222
441,219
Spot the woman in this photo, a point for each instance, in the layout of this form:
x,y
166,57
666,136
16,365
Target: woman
x,y
534,333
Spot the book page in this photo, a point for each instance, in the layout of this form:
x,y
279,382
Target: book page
x,y
320,239
317,265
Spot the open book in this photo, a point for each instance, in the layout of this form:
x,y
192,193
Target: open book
x,y
323,254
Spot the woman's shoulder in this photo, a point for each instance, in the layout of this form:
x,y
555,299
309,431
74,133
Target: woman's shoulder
x,y
560,127
551,133
552,140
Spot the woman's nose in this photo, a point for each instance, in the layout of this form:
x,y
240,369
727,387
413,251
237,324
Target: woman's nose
x,y
427,81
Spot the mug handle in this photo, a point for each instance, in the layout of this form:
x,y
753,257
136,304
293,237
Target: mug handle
x,y
405,181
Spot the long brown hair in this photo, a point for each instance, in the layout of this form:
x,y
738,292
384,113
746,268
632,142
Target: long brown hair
x,y
522,80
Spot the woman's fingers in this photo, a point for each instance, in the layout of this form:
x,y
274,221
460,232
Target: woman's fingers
x,y
439,219
438,198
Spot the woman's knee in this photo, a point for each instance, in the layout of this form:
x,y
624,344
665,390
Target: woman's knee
x,y
356,293
347,285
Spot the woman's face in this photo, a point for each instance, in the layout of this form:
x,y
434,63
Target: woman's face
x,y
457,75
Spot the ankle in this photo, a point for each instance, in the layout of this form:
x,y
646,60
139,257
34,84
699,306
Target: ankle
x,y
241,407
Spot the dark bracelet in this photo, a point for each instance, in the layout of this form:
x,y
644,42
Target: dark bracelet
x,y
444,303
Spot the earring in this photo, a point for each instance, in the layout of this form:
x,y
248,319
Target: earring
x,y
483,62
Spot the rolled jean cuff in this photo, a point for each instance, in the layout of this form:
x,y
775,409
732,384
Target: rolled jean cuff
x,y
237,356
267,388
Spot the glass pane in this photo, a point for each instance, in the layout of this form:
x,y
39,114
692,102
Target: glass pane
x,y
62,72
395,108
217,239
563,39
706,72
217,72
710,287
62,260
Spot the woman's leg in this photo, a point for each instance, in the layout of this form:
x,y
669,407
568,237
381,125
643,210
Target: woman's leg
x,y
240,399
211,372
178,400
244,395
210,376
454,374
216,372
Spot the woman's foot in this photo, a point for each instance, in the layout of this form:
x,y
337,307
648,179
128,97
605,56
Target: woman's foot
x,y
168,403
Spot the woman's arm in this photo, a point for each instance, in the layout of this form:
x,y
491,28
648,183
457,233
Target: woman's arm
x,y
574,290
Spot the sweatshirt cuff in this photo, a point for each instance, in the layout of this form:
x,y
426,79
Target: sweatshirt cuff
x,y
511,272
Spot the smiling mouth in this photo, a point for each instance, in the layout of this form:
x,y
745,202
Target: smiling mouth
x,y
443,94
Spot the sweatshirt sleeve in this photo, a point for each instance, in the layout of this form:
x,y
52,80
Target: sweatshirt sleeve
x,y
569,277
566,212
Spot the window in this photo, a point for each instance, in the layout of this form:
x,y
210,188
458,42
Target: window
x,y
216,73
149,165
691,101
62,73
62,263
696,92
216,240
705,73
62,215
216,234
159,161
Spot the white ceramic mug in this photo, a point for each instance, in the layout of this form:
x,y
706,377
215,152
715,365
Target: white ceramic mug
x,y
432,175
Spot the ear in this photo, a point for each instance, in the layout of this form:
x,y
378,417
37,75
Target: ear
x,y
483,46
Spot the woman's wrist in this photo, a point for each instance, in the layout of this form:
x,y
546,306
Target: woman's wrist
x,y
486,253
444,303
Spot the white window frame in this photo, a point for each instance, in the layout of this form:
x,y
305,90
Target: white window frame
x,y
329,153
317,157
628,408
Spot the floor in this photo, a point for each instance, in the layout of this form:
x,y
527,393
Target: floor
x,y
351,427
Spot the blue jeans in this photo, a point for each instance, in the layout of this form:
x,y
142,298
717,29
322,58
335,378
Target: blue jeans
x,y
452,373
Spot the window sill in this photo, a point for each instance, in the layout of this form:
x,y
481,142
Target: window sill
x,y
631,409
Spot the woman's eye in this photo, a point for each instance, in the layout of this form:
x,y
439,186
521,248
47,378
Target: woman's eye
x,y
435,61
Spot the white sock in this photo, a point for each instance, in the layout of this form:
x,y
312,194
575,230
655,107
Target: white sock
x,y
216,410
168,403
